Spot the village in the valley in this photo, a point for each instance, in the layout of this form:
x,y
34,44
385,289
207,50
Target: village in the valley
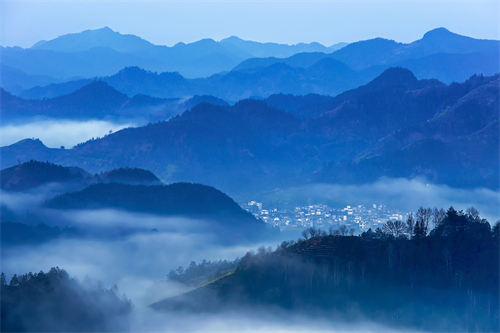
x,y
359,218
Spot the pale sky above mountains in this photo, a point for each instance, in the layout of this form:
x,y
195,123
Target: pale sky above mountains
x,y
23,23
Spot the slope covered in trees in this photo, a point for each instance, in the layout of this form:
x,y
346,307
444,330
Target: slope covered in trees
x,y
220,214
54,302
132,176
31,174
174,199
34,173
444,279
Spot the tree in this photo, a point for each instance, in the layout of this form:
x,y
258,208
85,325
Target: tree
x,y
410,226
420,230
423,218
305,233
333,232
396,228
14,281
368,233
3,280
472,213
437,216
344,231
496,233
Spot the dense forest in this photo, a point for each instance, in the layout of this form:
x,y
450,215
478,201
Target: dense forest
x,y
54,302
437,271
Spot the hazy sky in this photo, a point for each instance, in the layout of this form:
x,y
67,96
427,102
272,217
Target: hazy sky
x,y
23,23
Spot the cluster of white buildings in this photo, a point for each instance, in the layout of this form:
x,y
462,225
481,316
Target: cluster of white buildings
x,y
359,217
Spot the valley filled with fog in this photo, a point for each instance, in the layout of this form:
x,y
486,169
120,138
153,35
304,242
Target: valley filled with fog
x,y
235,185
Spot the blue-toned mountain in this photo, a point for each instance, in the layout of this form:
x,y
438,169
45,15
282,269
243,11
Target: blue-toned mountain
x,y
89,39
252,146
102,52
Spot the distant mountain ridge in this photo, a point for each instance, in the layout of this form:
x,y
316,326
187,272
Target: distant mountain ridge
x,y
440,54
102,52
88,39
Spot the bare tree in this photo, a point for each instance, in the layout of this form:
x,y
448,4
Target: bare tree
x,y
423,218
305,233
334,232
473,213
437,216
396,228
344,231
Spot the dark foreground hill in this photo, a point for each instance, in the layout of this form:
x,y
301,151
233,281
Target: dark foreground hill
x,y
442,280
54,302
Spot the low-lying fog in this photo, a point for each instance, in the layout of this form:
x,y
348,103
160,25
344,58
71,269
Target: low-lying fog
x,y
139,258
398,193
57,133
263,319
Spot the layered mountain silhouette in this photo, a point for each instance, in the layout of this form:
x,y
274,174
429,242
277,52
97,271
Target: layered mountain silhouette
x,y
255,69
440,54
327,77
103,52
380,51
128,189
98,100
459,145
447,133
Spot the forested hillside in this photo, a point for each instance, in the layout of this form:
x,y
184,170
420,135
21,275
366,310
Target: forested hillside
x,y
407,274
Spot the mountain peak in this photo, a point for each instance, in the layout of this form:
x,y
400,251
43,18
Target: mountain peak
x,y
395,76
105,29
438,33
88,39
232,39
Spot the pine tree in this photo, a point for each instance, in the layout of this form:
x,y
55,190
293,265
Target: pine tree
x,y
14,281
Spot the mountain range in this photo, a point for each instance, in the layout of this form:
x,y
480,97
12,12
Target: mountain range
x,y
233,69
97,100
327,77
103,52
396,126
